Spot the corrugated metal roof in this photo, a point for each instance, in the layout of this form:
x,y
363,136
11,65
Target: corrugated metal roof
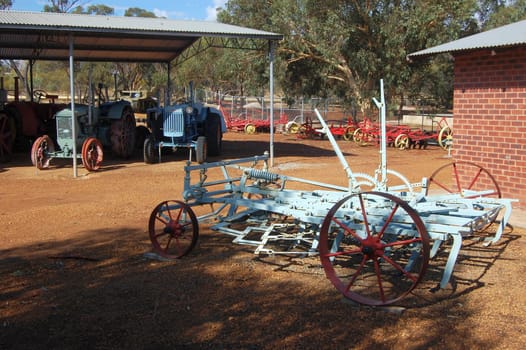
x,y
45,35
509,35
69,21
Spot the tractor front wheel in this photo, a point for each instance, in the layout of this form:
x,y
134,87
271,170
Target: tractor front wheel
x,y
149,151
41,152
214,135
92,154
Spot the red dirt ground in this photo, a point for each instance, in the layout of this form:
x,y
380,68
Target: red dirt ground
x,y
74,274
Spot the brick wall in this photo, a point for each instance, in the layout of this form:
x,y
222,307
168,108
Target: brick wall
x,y
490,115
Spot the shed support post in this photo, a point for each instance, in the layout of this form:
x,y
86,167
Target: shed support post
x,y
168,86
72,93
271,116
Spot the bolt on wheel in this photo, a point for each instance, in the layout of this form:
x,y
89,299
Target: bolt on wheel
x,y
173,229
374,248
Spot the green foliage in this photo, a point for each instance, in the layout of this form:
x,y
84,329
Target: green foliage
x,y
344,48
138,12
94,10
5,4
340,48
61,6
506,12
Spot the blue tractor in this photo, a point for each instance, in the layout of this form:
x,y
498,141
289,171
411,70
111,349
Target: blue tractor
x,y
191,125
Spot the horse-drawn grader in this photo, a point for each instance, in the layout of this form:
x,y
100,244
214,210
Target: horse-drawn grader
x,y
374,237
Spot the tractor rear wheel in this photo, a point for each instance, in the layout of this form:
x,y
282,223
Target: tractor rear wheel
x,y
141,134
123,134
7,136
201,149
214,135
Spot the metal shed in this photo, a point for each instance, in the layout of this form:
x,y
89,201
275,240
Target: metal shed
x,y
61,36
48,36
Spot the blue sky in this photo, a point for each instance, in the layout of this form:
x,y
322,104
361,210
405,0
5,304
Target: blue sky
x,y
173,9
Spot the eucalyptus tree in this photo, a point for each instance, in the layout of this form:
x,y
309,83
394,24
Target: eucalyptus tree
x,y
5,4
345,47
62,6
503,12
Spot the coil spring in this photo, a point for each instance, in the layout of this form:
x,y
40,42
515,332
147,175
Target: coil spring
x,y
262,175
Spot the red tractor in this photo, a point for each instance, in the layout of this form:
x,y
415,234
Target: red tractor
x,y
22,122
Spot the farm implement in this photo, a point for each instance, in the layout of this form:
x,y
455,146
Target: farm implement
x,y
374,237
404,136
416,137
310,129
250,124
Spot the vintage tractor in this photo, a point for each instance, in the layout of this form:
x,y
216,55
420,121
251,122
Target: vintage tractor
x,y
22,122
110,125
190,124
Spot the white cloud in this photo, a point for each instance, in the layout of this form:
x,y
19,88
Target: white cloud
x,y
211,11
160,13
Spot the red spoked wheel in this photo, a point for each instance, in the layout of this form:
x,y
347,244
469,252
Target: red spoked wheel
x,y
467,179
374,248
92,154
173,229
41,152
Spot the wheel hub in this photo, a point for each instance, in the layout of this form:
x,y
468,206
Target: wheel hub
x,y
174,229
372,248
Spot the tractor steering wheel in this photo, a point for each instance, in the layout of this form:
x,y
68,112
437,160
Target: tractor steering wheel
x,y
39,94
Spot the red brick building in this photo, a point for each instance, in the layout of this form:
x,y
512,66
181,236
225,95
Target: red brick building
x,y
489,107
